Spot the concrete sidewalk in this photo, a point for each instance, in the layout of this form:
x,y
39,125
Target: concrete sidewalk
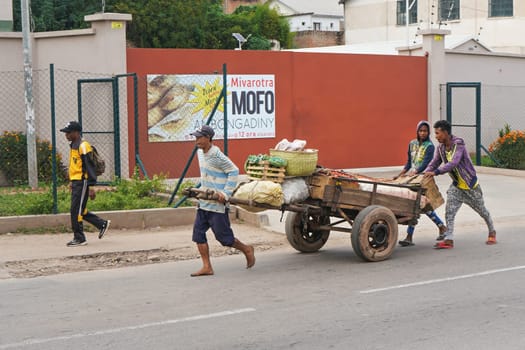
x,y
503,190
15,247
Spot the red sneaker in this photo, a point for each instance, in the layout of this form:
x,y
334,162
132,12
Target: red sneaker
x,y
446,244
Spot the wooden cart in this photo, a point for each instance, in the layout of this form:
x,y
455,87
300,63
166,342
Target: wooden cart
x,y
373,216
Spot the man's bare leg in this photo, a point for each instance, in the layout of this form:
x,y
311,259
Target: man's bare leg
x,y
206,269
247,250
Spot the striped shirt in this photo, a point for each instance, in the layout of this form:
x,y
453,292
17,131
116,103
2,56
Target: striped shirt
x,y
218,173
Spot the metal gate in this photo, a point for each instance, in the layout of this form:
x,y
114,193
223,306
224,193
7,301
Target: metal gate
x,y
465,115
99,114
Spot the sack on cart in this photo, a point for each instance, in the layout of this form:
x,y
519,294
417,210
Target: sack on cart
x,y
260,192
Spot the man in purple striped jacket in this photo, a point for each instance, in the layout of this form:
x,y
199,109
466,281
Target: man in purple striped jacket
x,y
452,157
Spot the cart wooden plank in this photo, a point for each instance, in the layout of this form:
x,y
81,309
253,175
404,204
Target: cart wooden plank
x,y
358,199
432,193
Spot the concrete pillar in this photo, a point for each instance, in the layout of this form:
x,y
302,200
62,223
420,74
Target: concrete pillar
x,y
434,49
110,43
110,29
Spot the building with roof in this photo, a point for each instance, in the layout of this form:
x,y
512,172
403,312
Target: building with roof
x,y
318,15
316,23
497,23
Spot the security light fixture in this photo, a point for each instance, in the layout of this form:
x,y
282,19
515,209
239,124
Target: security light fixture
x,y
241,39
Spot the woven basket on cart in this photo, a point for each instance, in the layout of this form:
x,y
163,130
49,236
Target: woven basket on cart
x,y
300,163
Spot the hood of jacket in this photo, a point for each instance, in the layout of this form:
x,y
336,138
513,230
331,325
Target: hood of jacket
x,y
419,125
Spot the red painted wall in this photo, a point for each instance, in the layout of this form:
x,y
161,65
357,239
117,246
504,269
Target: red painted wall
x,y
358,110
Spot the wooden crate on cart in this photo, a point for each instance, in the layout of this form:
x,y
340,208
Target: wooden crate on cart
x,y
264,171
317,184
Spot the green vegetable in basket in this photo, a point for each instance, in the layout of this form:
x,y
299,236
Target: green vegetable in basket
x,y
252,159
256,159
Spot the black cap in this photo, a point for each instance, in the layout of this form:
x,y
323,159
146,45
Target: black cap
x,y
205,130
72,126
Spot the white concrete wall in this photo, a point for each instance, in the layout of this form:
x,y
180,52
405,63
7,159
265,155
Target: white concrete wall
x,y
305,22
100,49
6,10
502,76
502,79
97,52
11,54
375,20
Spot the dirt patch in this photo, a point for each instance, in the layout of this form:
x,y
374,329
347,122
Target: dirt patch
x,y
111,260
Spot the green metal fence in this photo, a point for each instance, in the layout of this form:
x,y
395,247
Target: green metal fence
x,y
100,103
60,96
13,143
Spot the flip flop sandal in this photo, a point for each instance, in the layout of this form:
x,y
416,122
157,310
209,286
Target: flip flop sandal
x,y
405,243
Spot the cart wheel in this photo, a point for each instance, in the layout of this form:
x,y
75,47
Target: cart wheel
x,y
303,233
374,233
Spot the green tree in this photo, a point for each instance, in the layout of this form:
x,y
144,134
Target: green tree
x,y
199,24
264,24
168,23
51,15
257,42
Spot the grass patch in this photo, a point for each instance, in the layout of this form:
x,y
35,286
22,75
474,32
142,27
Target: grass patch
x,y
485,161
129,194
47,230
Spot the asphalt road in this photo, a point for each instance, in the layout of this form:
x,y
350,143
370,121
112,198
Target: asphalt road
x,y
470,297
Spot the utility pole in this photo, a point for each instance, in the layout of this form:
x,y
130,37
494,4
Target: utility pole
x,y
408,7
407,13
32,170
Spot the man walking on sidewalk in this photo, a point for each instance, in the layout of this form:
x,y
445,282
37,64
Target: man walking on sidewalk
x,y
81,176
218,173
452,157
